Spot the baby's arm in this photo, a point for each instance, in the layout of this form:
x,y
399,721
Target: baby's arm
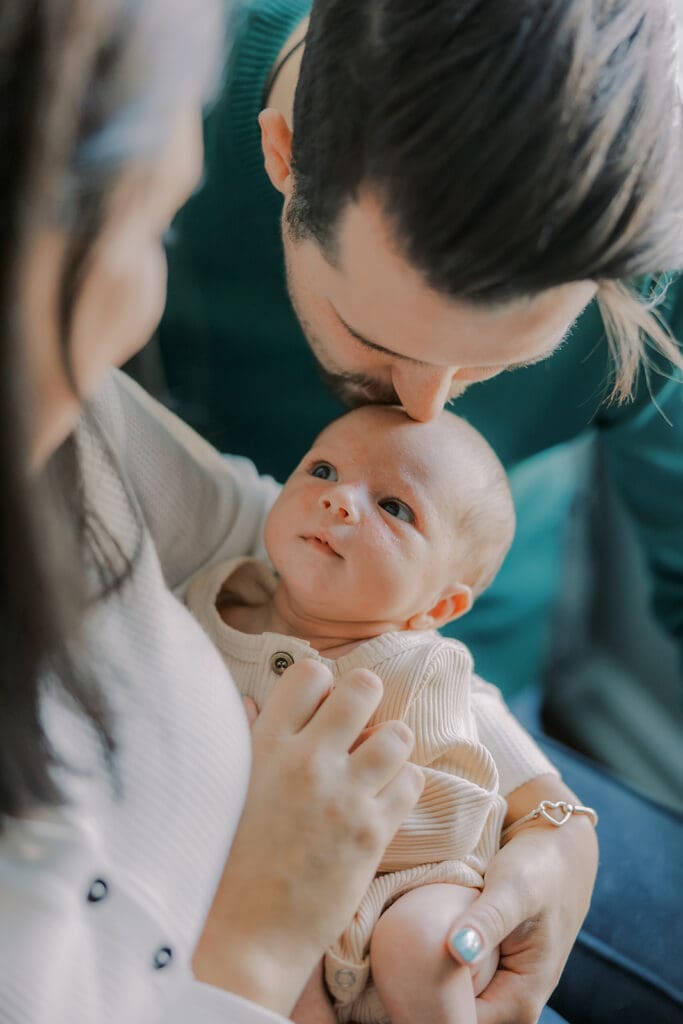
x,y
415,976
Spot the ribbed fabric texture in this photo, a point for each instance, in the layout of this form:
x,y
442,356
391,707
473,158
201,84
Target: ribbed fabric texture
x,y
454,831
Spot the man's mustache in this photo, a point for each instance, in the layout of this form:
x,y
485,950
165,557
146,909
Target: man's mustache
x,y
356,389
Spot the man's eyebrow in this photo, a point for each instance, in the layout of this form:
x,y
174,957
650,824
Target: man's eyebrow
x,y
373,344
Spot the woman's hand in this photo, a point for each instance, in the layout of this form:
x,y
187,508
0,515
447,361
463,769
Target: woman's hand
x,y
320,810
536,895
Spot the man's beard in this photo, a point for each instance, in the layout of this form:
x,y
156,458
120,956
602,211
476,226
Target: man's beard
x,y
355,389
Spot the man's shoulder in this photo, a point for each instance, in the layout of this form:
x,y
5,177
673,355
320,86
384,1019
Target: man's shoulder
x,y
257,31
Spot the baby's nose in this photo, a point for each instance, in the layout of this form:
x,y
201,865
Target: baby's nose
x,y
341,503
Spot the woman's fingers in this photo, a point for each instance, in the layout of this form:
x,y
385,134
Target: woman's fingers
x,y
335,721
503,917
347,710
487,922
401,794
335,713
296,698
509,997
536,893
381,754
364,735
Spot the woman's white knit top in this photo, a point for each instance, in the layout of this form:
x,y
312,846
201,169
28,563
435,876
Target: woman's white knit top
x,y
102,901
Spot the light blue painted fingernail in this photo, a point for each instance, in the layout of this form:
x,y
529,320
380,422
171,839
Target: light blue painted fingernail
x,y
467,944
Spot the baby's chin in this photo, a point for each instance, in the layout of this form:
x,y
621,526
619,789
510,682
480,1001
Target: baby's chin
x,y
316,604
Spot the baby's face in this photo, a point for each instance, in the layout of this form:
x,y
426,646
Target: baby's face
x,y
363,530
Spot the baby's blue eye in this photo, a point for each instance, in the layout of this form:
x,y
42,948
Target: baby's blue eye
x,y
324,471
398,509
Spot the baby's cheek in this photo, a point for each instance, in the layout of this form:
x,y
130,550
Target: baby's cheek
x,y
388,563
273,531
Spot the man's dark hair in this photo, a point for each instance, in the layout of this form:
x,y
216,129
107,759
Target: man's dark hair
x,y
513,146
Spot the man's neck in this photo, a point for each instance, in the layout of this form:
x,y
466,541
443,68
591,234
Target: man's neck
x,y
281,95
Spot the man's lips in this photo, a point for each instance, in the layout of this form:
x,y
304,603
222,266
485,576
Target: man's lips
x,y
321,542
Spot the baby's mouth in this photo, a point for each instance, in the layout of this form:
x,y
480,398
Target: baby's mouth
x,y
320,543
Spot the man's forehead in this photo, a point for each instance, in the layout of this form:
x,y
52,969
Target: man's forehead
x,y
386,304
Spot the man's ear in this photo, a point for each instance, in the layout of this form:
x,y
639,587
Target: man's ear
x,y
456,602
276,142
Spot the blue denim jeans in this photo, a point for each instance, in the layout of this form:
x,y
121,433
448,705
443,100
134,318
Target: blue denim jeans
x,y
627,964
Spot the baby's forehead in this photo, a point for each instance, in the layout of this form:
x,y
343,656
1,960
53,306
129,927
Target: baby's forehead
x,y
384,422
438,455
383,418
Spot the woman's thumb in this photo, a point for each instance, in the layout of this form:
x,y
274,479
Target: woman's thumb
x,y
484,925
251,708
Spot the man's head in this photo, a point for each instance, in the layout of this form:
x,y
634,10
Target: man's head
x,y
387,520
464,175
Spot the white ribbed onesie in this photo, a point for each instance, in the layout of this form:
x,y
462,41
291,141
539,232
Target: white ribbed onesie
x,y
428,683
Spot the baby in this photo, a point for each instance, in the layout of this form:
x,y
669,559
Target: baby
x,y
387,530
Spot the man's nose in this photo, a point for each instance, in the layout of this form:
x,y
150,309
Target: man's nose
x,y
423,390
342,503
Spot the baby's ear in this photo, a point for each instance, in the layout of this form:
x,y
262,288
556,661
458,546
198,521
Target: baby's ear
x,y
455,602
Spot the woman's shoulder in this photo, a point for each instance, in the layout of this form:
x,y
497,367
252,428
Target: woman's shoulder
x,y
105,408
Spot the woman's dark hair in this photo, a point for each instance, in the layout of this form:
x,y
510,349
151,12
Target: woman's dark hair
x,y
88,88
514,146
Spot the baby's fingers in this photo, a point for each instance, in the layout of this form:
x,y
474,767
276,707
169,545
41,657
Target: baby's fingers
x,y
295,699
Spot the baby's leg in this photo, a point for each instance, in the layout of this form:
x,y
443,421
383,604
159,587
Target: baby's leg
x,y
416,978
314,1006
